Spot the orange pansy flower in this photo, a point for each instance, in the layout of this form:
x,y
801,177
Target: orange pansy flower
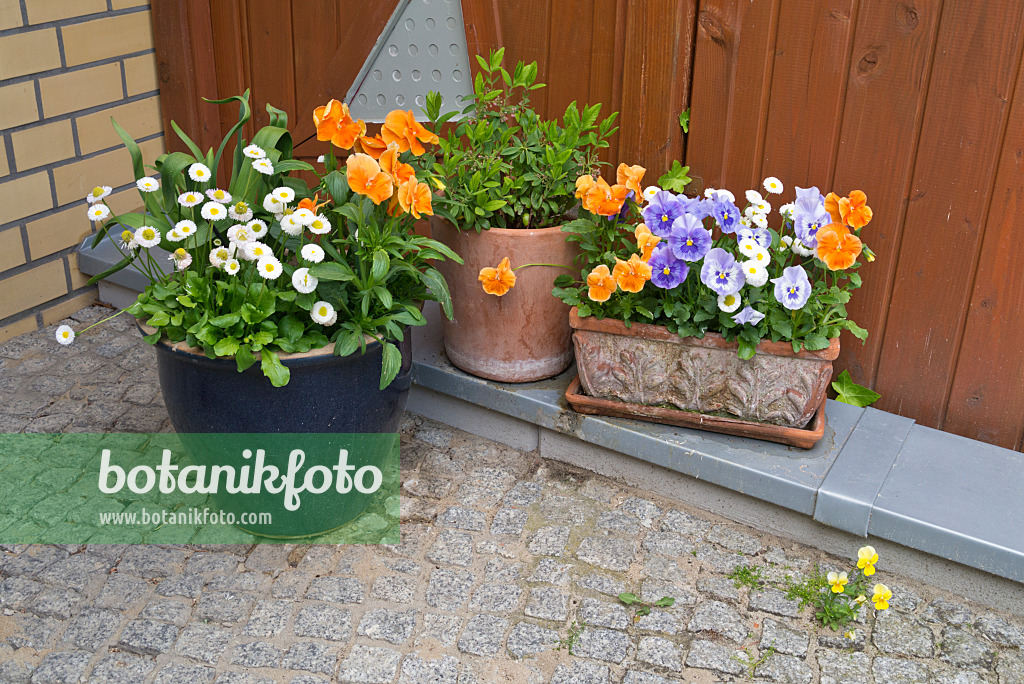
x,y
414,198
403,128
334,123
645,241
603,199
631,275
832,207
854,209
583,185
372,146
601,284
366,178
312,204
630,176
390,165
498,281
838,247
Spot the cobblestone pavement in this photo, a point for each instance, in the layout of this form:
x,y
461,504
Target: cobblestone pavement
x,y
506,560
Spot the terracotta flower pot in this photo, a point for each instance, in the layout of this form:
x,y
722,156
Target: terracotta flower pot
x,y
648,365
523,335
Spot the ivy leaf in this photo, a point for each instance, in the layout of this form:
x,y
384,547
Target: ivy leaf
x,y
677,177
849,392
276,372
684,120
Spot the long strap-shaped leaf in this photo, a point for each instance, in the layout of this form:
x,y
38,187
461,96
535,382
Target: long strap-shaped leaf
x,y
244,114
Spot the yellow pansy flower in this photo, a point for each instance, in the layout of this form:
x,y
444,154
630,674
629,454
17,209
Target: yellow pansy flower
x,y
866,559
837,581
881,597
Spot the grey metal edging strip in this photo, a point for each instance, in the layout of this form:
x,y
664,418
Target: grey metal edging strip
x,y
96,260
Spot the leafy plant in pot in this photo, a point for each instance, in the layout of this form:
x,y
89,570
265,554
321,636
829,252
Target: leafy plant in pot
x,y
508,179
691,311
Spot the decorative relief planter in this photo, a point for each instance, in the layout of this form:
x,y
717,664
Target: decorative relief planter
x,y
648,366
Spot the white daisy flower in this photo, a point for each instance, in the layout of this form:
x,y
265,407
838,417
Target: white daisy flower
x,y
283,194
304,217
786,210
185,227
290,225
729,302
273,205
200,173
147,236
313,253
720,195
98,212
748,248
147,184
762,207
303,281
753,196
65,335
240,234
787,242
269,267
773,185
98,193
240,211
256,250
803,250
709,192
759,220
761,256
650,191
253,152
181,259
219,255
190,199
214,211
263,166
745,221
218,195
332,320
175,236
321,159
257,228
128,240
320,225
756,274
322,312
232,266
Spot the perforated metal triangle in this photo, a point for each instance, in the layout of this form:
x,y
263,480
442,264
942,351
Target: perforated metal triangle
x,y
422,48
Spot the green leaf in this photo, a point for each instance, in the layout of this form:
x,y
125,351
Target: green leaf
x,y
815,342
225,320
391,364
684,120
292,165
676,179
329,270
158,319
851,393
747,349
291,328
858,332
226,347
439,288
628,598
123,263
665,602
276,372
381,263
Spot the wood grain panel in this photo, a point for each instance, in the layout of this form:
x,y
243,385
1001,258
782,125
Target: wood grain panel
x,y
962,130
888,82
272,58
608,45
570,63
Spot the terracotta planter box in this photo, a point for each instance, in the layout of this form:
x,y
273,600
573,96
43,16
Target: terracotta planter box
x,y
523,335
648,365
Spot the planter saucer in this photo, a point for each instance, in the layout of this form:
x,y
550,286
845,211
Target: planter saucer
x,y
803,438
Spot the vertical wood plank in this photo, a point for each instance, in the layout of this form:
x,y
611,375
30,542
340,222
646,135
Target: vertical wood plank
x,y
608,55
655,82
963,127
885,99
571,62
986,402
272,58
808,85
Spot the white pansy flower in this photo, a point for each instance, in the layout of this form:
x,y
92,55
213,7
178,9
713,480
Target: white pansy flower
x,y
98,212
269,267
773,185
214,211
147,236
313,253
303,281
650,191
219,255
218,195
253,152
729,302
190,199
65,335
273,205
200,173
753,196
290,226
240,211
283,194
320,225
756,274
257,228
147,184
303,217
98,193
231,266
263,166
322,312
256,250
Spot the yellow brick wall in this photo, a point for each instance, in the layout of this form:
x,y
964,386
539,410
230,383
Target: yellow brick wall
x,y
66,67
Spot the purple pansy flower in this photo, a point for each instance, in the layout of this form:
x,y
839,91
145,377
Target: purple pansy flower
x,y
807,224
661,211
808,197
727,216
689,240
721,272
666,270
792,288
695,206
762,236
748,315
